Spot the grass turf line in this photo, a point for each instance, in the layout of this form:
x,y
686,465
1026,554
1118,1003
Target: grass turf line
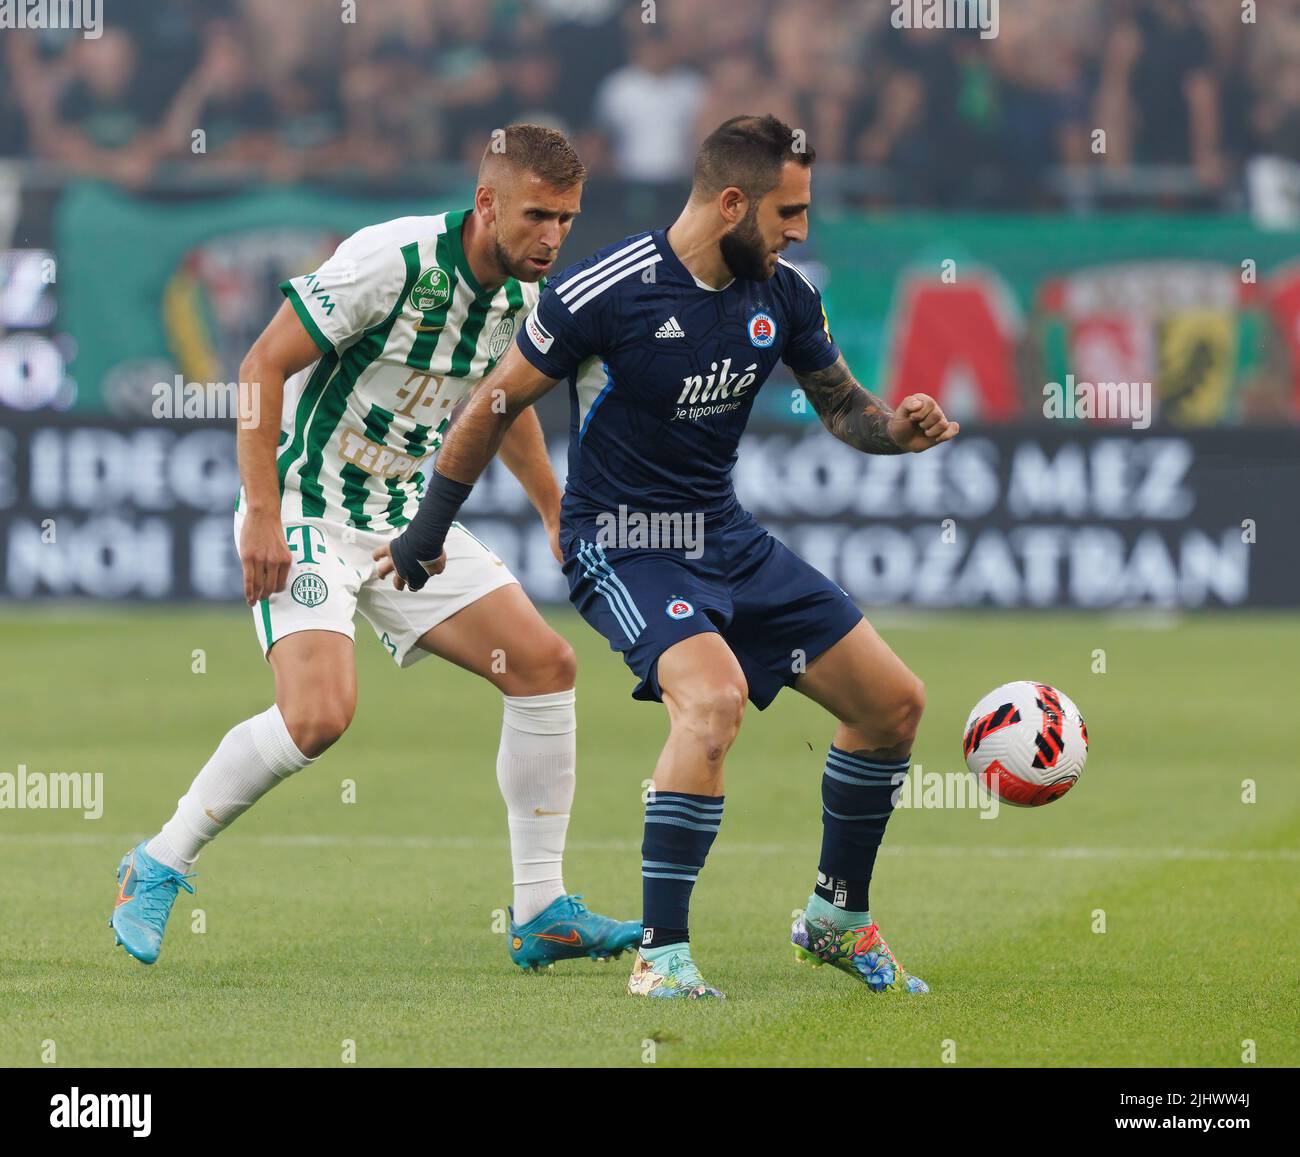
x,y
390,944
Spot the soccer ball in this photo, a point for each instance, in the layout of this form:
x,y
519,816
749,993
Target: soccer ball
x,y
1026,742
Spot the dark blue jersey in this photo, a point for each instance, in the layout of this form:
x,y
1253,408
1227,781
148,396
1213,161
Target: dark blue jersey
x,y
663,372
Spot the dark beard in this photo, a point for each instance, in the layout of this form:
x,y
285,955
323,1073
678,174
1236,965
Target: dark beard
x,y
520,272
744,251
506,265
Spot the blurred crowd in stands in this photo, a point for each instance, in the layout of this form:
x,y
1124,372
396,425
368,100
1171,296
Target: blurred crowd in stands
x,y
292,90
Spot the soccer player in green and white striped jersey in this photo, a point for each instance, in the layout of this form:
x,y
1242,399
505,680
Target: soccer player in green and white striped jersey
x,y
365,362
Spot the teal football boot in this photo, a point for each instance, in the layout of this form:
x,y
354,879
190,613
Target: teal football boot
x,y
565,930
146,891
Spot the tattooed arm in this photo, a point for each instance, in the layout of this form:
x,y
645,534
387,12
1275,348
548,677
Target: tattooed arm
x,y
860,419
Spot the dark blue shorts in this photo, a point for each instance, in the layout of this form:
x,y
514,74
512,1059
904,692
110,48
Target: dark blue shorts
x,y
775,612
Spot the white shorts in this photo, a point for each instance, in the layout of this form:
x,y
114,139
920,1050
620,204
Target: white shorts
x,y
333,577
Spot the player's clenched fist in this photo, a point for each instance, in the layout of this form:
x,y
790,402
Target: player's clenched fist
x,y
918,424
384,557
265,556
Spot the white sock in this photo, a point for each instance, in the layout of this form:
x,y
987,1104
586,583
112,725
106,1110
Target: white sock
x,y
536,771
252,758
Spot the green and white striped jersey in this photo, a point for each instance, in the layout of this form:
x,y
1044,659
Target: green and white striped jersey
x,y
405,332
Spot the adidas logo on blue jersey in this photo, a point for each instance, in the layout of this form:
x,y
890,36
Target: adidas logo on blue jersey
x,y
670,328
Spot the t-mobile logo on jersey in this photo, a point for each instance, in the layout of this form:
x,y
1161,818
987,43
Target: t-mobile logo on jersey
x,y
717,393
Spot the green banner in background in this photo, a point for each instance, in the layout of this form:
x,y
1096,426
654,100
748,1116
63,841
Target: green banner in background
x,y
154,289
981,311
984,311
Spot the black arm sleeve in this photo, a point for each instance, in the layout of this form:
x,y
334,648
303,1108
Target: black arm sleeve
x,y
422,540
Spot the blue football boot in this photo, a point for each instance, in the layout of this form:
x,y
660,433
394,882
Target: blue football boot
x,y
565,930
146,891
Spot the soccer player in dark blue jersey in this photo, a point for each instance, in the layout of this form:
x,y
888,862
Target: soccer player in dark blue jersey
x,y
665,340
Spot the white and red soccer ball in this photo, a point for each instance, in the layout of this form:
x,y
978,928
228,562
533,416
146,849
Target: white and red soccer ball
x,y
1026,742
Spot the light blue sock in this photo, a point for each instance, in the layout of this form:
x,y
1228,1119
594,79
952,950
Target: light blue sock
x,y
824,910
653,954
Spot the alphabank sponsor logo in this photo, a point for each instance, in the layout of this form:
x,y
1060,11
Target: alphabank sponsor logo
x,y
36,15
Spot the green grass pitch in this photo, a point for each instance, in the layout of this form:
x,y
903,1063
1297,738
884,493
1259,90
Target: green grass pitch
x,y
373,921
